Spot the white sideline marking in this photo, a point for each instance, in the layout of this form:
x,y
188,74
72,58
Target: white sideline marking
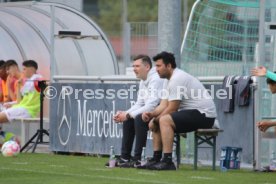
x,y
89,176
201,178
20,163
147,173
45,163
57,165
107,169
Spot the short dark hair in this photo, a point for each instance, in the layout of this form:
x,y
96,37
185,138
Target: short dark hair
x,y
270,81
145,59
30,63
10,62
167,57
2,63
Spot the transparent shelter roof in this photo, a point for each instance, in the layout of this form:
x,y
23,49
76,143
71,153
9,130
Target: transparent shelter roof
x,y
28,32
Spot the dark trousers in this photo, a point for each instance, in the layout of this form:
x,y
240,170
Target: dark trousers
x,y
131,129
191,120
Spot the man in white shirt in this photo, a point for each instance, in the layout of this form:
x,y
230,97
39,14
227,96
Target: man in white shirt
x,y
186,106
133,125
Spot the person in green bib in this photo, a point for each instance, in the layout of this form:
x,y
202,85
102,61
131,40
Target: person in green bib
x,y
28,98
262,71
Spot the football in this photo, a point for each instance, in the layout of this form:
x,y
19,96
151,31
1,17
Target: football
x,y
7,136
10,149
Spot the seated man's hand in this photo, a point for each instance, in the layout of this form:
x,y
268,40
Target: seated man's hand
x,y
146,116
116,116
120,117
9,104
264,125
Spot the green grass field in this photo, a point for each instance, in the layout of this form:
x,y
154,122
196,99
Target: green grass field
x,y
52,169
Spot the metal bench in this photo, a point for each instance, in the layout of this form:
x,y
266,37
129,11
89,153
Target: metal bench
x,y
207,136
201,136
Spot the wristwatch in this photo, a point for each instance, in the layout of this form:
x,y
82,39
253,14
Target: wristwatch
x,y
128,116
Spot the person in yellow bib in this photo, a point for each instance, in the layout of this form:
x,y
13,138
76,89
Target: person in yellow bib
x,y
28,98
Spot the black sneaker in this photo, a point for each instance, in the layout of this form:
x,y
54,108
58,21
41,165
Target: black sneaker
x,y
266,169
162,165
118,162
149,163
137,164
129,164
